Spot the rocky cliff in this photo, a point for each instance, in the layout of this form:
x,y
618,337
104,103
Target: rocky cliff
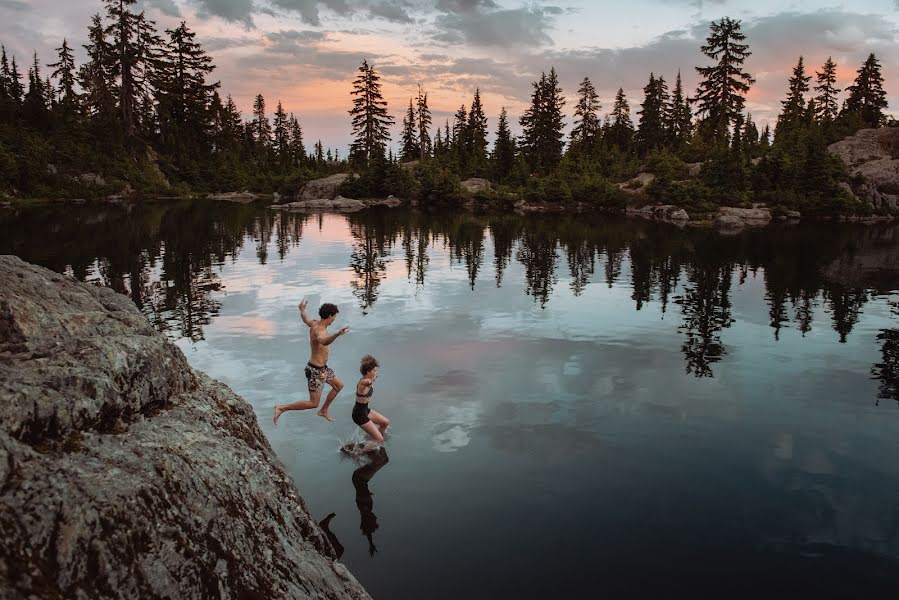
x,y
124,473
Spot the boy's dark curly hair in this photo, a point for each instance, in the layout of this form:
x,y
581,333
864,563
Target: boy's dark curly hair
x,y
368,363
327,309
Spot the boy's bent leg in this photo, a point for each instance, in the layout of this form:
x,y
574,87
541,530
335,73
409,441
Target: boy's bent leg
x,y
314,399
336,386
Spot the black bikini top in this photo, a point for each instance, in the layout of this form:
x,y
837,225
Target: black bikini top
x,y
371,390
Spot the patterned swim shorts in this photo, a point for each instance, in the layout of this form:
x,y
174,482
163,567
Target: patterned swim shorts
x,y
318,376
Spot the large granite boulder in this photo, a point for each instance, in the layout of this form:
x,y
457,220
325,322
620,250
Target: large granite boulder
x,y
324,188
124,473
475,185
873,154
752,217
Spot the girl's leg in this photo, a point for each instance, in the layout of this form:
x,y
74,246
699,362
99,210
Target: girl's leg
x,y
371,429
378,419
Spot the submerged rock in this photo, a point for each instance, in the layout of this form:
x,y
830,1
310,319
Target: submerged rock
x,y
324,188
241,197
124,473
339,204
661,212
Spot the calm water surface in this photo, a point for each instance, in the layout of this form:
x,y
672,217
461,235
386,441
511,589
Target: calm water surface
x,y
578,404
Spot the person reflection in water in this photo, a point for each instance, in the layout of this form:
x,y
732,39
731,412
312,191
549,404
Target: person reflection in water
x,y
325,524
368,522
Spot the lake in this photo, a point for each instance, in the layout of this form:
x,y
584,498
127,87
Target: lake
x,y
579,404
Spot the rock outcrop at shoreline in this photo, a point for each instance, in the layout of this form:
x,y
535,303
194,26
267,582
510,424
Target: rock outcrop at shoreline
x,y
873,156
324,188
124,473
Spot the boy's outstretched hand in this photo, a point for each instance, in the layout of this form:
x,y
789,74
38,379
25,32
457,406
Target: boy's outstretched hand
x,y
303,304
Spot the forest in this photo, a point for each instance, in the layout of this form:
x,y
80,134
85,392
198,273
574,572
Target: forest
x,y
144,116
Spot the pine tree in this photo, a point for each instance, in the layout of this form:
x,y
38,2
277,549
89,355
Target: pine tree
x,y
262,129
503,149
410,149
319,153
680,126
125,63
423,114
793,112
765,139
460,133
65,74
369,116
281,136
621,129
35,104
750,136
586,131
16,89
720,95
297,147
867,98
95,77
826,100
477,136
542,124
651,132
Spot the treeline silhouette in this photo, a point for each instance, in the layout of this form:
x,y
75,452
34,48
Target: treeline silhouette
x,y
144,114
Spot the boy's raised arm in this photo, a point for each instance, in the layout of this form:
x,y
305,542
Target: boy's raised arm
x,y
303,315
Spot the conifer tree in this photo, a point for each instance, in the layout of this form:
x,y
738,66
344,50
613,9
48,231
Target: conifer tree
x,y
542,123
369,116
720,94
586,131
503,148
867,98
460,132
793,112
183,95
35,103
297,147
680,125
16,89
319,153
125,59
826,100
423,114
477,135
262,129
750,136
410,149
281,136
651,131
621,129
65,73
95,77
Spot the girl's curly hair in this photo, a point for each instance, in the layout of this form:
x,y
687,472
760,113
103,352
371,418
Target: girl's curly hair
x,y
368,363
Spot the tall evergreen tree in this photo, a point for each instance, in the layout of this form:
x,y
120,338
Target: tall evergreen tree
x,y
281,136
680,125
35,103
65,73
262,129
542,124
792,114
587,128
95,77
410,149
369,116
125,54
651,131
319,153
477,136
721,93
297,147
183,95
826,100
503,148
16,89
423,114
867,98
621,129
460,132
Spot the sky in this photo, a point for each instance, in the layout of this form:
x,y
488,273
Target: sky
x,y
305,52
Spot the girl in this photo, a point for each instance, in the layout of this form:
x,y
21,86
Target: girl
x,y
372,422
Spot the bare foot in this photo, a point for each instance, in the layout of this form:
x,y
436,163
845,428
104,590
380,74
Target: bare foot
x,y
325,416
278,411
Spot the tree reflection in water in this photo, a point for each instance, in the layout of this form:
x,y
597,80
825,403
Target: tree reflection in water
x,y
167,258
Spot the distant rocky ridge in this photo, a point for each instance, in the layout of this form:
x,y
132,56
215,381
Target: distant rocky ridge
x,y
124,473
